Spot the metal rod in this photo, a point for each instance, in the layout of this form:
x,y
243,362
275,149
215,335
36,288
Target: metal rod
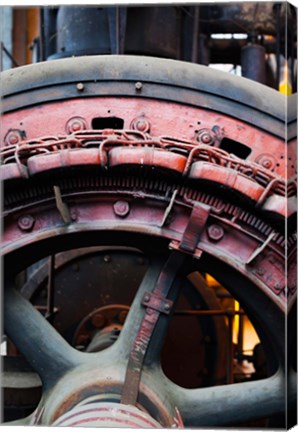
x,y
209,312
195,36
5,50
117,30
277,16
240,336
230,350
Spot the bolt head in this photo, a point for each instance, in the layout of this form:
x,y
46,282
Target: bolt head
x,y
146,298
206,138
167,307
141,124
75,124
98,320
107,258
13,137
26,222
121,208
80,86
138,86
215,232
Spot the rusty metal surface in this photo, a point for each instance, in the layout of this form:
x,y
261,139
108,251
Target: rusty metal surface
x,y
117,75
201,162
190,175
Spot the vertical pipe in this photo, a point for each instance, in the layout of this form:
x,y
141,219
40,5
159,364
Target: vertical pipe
x,y
230,350
277,7
253,62
195,36
240,336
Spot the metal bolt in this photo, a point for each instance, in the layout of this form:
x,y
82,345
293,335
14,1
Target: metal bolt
x,y
141,124
146,298
13,137
138,86
80,86
215,232
267,163
107,258
267,160
75,124
206,138
26,222
167,306
98,320
121,208
278,286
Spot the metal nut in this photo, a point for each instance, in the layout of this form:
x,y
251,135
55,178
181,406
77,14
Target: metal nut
x,y
26,222
13,137
107,258
121,208
141,124
215,232
138,86
167,306
205,136
267,160
80,86
98,320
146,298
75,124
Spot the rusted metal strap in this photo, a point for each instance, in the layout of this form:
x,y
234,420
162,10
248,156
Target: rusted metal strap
x,y
156,303
194,228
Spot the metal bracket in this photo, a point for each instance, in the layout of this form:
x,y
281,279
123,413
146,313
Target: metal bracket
x,y
62,206
260,249
193,231
157,302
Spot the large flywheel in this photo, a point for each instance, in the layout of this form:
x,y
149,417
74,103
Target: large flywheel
x,y
126,182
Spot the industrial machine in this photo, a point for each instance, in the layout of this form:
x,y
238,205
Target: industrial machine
x,y
149,218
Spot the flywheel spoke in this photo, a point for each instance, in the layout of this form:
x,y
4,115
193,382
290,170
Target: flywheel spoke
x,y
230,404
159,278
45,349
140,329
